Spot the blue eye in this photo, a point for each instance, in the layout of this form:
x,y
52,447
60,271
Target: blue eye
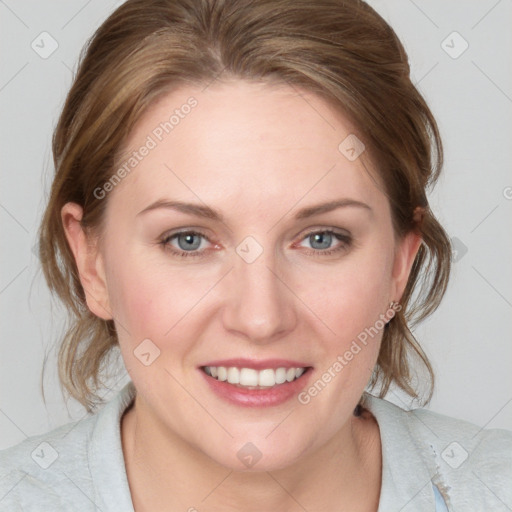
x,y
321,242
192,243
188,243
323,239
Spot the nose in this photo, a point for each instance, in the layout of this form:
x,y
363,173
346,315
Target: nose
x,y
259,306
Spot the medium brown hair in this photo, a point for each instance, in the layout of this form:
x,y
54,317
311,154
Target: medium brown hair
x,y
340,50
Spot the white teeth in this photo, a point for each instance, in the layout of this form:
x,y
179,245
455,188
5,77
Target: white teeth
x,y
290,374
253,378
280,375
233,375
222,373
266,378
248,377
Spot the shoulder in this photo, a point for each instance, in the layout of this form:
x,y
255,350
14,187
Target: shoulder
x,y
476,462
45,472
78,466
471,465
496,443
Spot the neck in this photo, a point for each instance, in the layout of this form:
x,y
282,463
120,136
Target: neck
x,y
167,473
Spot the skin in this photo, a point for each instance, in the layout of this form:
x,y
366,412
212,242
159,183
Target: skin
x,y
257,153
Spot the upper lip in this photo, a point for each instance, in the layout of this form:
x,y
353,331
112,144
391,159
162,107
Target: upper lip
x,y
256,364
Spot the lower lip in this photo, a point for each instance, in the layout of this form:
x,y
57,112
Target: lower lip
x,y
244,397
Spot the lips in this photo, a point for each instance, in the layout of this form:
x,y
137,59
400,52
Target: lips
x,y
256,383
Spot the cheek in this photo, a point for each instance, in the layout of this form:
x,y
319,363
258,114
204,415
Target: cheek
x,y
351,295
149,297
134,295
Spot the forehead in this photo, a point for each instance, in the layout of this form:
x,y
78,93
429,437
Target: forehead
x,y
255,144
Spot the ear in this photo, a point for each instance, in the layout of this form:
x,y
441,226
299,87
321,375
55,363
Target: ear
x,y
88,260
405,254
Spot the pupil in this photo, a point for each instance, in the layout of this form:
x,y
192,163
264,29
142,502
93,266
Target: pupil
x,y
323,239
188,242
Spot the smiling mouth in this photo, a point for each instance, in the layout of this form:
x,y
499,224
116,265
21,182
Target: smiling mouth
x,y
249,378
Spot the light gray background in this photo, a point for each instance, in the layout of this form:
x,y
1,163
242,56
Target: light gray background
x,y
468,339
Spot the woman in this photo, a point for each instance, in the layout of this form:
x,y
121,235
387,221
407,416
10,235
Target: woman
x,y
240,207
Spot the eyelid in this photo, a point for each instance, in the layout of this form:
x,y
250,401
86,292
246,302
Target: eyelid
x,y
326,228
186,231
323,229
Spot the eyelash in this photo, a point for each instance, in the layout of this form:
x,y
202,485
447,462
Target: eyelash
x,y
344,238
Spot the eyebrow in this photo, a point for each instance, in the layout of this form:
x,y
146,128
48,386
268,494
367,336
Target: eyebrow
x,y
209,213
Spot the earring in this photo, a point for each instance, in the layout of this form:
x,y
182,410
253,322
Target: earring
x,y
393,309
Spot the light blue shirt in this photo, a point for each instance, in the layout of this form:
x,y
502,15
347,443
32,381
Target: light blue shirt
x,y
430,463
440,503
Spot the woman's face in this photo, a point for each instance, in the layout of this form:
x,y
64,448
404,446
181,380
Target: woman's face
x,y
286,259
